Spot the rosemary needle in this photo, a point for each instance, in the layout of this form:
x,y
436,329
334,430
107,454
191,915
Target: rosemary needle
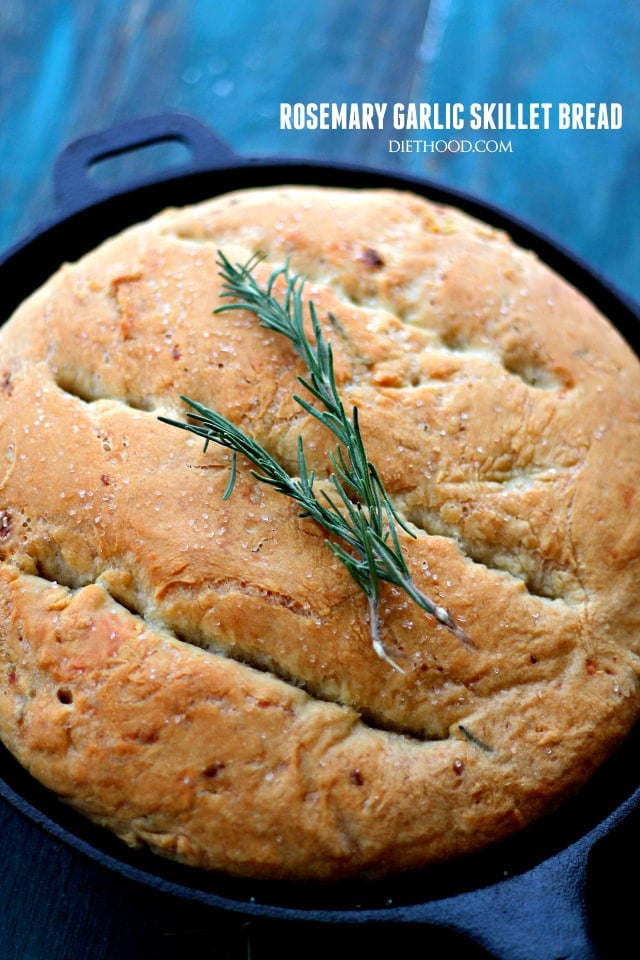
x,y
356,511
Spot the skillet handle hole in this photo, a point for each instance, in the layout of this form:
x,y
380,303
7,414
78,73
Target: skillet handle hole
x,y
146,160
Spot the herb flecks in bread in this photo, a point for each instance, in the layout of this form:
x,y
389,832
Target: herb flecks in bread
x,y
355,509
197,674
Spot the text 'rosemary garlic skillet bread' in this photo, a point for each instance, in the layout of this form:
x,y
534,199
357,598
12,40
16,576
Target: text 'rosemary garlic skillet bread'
x,y
185,658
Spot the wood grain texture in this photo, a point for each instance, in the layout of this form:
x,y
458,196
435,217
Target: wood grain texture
x,y
79,67
580,186
71,67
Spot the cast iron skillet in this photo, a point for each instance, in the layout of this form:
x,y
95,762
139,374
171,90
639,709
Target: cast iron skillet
x,y
522,899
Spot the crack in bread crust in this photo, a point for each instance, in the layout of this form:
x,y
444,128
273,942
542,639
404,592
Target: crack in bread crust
x,y
544,578
242,687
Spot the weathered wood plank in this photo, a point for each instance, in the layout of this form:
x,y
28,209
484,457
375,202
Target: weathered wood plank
x,y
72,69
75,71
581,186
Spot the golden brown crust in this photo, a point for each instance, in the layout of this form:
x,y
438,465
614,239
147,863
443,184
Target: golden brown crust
x,y
197,673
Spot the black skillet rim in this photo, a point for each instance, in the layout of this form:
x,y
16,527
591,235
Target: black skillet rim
x,y
611,795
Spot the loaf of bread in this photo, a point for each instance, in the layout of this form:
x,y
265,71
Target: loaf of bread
x,y
196,673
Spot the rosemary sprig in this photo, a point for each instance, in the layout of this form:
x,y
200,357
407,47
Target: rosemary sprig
x,y
358,515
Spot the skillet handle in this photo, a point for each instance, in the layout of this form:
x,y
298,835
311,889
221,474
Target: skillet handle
x,y
540,915
75,187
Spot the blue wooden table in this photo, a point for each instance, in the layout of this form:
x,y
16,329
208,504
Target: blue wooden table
x,y
69,68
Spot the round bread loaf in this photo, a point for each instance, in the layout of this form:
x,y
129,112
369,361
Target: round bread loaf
x,y
196,673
